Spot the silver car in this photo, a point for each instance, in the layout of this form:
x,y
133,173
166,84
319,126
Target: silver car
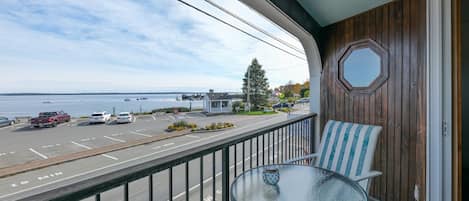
x,y
6,122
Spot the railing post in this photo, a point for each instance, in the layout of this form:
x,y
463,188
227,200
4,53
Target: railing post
x,y
311,134
226,173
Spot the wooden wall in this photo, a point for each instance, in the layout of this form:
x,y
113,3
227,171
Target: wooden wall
x,y
399,105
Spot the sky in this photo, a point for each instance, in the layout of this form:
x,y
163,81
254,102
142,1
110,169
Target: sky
x,y
135,46
362,67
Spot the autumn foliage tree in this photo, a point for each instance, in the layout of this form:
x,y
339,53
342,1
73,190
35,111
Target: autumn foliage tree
x,y
290,89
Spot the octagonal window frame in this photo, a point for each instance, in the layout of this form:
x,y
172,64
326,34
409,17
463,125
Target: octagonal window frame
x,y
384,66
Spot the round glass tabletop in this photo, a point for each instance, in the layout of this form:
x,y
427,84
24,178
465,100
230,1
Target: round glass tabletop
x,y
298,183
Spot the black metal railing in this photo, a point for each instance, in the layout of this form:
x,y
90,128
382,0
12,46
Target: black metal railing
x,y
218,164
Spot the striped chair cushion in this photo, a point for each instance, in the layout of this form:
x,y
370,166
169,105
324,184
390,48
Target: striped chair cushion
x,y
348,148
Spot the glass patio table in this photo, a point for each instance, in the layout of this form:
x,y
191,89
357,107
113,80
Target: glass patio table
x,y
297,183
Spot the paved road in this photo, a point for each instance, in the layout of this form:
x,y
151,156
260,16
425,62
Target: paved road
x,y
21,144
139,189
89,167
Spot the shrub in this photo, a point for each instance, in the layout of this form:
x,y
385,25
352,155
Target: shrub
x,y
238,104
181,125
216,126
171,127
192,125
171,109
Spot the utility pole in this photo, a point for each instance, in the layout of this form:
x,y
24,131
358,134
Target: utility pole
x,y
249,89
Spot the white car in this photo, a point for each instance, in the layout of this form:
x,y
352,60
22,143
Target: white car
x,y
125,117
100,117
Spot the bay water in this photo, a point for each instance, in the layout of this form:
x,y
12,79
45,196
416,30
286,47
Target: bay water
x,y
83,105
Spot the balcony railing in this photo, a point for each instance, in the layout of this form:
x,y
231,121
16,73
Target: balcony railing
x,y
269,145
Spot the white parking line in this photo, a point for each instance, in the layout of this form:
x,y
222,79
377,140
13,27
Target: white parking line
x,y
49,176
115,139
169,144
6,153
141,134
154,118
39,154
80,145
14,126
50,146
87,147
111,157
61,125
192,136
117,134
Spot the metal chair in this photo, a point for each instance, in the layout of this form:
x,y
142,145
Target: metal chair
x,y
348,149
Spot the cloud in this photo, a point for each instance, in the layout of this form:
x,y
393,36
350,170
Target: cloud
x,y
134,46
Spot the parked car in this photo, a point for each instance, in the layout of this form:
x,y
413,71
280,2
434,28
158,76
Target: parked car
x,y
124,117
50,119
6,122
303,100
99,117
282,105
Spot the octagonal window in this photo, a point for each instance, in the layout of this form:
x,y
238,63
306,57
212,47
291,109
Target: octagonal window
x,y
361,67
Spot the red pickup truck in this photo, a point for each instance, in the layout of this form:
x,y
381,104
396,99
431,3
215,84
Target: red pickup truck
x,y
50,119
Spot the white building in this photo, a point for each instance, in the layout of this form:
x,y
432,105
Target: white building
x,y
217,103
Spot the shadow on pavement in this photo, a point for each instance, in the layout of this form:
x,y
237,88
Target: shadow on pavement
x,y
29,129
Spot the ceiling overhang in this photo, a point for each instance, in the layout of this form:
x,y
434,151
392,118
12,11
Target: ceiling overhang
x,y
313,15
298,14
327,12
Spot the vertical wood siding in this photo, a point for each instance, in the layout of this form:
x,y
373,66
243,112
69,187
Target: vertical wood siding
x,y
399,105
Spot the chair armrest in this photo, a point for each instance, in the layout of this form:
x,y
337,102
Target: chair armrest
x,y
315,155
366,176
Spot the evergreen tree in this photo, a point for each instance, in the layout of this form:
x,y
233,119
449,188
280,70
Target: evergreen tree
x,y
259,85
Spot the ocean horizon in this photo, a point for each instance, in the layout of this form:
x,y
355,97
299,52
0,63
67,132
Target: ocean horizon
x,y
83,104
100,93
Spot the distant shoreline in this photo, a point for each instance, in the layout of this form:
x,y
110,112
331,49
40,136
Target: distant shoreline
x,y
97,93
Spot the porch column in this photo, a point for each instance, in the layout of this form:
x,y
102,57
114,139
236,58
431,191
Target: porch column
x,y
221,106
311,50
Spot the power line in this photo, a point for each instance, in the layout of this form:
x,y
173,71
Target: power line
x,y
254,26
239,29
269,21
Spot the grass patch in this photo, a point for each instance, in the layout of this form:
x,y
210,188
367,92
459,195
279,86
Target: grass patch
x,y
142,113
286,110
257,113
171,109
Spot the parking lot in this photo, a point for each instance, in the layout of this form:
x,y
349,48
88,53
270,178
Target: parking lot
x,y
28,144
21,143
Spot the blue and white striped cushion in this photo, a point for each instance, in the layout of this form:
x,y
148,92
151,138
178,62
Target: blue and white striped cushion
x,y
348,148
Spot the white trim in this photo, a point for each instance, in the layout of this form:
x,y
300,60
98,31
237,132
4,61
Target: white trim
x,y
270,11
438,100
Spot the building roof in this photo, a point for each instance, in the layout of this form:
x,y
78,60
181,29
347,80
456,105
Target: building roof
x,y
218,96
